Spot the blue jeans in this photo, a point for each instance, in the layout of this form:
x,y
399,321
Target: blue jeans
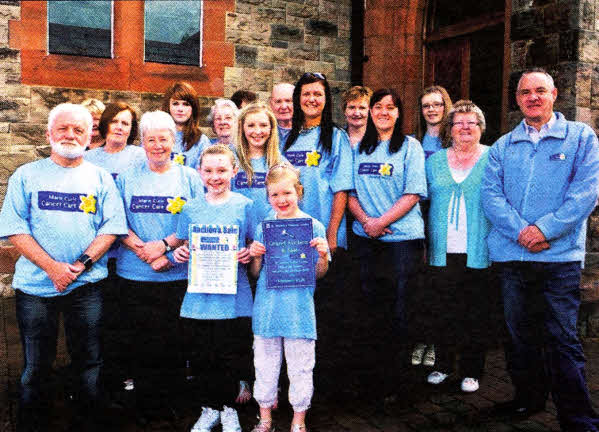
x,y
38,324
541,302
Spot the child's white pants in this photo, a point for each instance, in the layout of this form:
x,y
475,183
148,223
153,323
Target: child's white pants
x,y
300,357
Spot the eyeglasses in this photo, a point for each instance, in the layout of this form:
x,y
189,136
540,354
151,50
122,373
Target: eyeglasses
x,y
462,124
317,75
435,105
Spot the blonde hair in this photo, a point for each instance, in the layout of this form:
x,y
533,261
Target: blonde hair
x,y
218,149
271,151
282,171
94,106
356,93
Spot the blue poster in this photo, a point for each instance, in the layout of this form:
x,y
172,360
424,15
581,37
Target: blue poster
x,y
289,259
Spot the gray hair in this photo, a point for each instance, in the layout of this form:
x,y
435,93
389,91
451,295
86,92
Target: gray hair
x,y
539,71
222,103
157,120
463,107
76,110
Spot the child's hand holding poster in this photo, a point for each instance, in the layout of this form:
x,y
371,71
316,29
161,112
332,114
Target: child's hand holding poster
x,y
213,259
289,257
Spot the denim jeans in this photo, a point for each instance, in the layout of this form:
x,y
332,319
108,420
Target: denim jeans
x,y
38,324
541,302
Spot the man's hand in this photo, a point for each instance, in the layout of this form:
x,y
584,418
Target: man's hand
x,y
63,274
161,263
374,228
533,239
151,251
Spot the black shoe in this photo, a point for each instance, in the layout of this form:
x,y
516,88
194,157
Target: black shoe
x,y
515,409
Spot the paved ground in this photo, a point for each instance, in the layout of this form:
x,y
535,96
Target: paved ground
x,y
338,405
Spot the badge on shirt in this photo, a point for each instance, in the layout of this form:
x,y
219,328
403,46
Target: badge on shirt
x,y
303,158
69,202
557,156
156,204
178,158
258,179
377,169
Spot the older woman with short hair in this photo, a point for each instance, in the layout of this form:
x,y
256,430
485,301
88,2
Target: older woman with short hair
x,y
154,193
355,108
223,119
458,255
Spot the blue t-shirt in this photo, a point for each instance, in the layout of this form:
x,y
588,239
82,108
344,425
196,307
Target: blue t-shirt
x,y
286,312
191,157
382,178
153,203
64,210
235,211
323,174
115,164
430,145
283,134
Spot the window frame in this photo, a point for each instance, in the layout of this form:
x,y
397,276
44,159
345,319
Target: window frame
x,y
127,70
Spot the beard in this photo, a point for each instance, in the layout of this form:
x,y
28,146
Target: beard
x,y
67,151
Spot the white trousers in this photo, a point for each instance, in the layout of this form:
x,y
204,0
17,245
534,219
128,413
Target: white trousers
x,y
300,355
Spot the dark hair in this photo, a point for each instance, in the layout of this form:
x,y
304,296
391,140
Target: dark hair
x,y
326,120
241,96
112,109
184,91
371,137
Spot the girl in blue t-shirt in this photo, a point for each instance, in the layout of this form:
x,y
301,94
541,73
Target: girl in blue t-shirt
x,y
211,318
257,151
284,319
181,102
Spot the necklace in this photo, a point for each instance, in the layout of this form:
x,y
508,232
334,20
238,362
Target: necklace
x,y
308,129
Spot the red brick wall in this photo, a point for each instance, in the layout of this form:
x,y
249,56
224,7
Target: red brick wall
x,y
393,44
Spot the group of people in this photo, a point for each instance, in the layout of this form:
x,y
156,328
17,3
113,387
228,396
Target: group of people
x,y
104,235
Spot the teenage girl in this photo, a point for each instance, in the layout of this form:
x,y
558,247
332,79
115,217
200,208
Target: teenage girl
x,y
181,102
257,151
217,312
284,319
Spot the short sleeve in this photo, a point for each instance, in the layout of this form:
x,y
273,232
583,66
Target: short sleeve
x,y
415,177
182,232
113,213
342,178
15,214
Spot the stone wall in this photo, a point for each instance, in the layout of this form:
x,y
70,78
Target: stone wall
x,y
274,40
277,41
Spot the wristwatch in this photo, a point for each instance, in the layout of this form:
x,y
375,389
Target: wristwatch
x,y
86,261
168,247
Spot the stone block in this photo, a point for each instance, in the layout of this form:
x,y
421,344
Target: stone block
x,y
328,45
317,66
4,127
3,34
583,86
344,23
285,32
43,99
289,73
10,10
342,62
343,75
18,91
14,109
246,55
243,8
254,2
526,24
586,14
9,162
303,51
279,44
248,38
150,102
294,21
9,55
595,87
29,135
237,21
321,28
543,51
272,55
588,47
568,46
519,54
583,114
270,15
302,10
327,58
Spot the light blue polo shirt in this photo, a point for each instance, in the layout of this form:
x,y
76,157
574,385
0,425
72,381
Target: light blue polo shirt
x,y
323,174
235,211
431,145
64,210
382,178
191,157
153,203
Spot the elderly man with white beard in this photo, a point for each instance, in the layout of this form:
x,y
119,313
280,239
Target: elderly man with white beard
x,y
62,214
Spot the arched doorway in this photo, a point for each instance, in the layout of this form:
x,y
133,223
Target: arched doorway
x,y
464,52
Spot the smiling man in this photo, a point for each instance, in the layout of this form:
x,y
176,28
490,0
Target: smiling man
x,y
539,188
62,214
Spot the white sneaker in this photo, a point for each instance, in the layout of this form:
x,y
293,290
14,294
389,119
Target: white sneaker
x,y
417,354
429,356
229,420
436,377
469,385
209,418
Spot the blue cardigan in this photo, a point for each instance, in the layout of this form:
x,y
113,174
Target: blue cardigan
x,y
441,187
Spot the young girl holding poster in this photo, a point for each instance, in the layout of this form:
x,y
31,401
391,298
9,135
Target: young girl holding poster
x,y
284,318
257,151
221,213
